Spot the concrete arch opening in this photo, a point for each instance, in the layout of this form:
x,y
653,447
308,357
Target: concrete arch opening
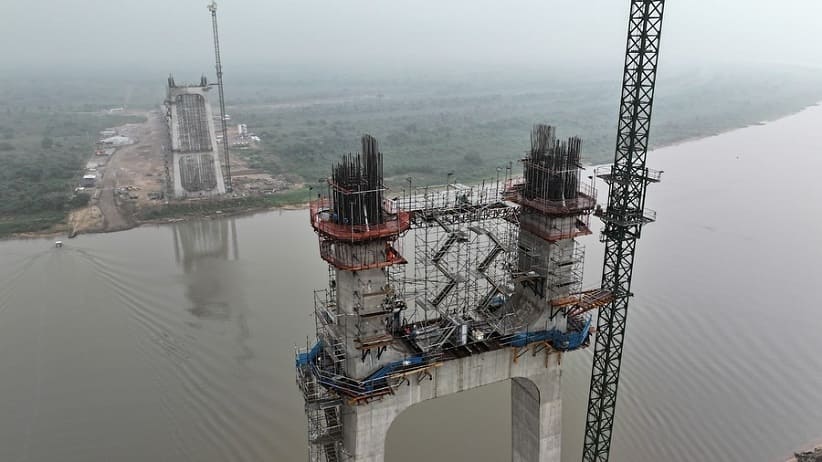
x,y
472,425
534,414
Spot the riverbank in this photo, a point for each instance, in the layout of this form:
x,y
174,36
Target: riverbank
x,y
221,212
94,219
812,453
91,221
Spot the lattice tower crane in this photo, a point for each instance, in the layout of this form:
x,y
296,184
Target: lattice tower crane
x,y
624,217
212,7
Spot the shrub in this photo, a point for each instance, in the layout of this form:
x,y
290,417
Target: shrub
x,y
80,199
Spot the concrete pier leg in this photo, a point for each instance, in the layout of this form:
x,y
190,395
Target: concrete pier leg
x,y
366,429
524,421
536,419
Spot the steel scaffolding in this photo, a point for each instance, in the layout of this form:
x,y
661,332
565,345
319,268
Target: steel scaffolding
x,y
463,248
469,260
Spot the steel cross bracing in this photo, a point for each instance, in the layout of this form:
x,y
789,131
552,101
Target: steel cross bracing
x,y
212,7
624,216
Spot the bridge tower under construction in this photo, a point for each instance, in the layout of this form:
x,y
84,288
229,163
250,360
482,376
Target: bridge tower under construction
x,y
496,294
555,208
195,164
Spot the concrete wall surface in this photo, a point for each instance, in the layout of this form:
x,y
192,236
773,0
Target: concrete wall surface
x,y
201,173
536,406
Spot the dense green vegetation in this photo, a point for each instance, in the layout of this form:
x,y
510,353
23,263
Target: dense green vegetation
x,y
43,153
473,131
427,126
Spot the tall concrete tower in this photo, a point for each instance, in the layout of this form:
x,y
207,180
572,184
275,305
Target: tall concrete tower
x,y
496,295
357,315
195,163
555,206
357,235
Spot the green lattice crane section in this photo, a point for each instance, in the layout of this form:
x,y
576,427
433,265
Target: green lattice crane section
x,y
624,217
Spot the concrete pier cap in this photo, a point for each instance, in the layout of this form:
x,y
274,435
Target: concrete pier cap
x,y
536,407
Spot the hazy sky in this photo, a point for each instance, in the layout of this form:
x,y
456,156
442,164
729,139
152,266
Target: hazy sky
x,y
397,35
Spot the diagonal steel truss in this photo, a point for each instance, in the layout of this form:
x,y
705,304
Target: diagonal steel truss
x,y
624,217
212,7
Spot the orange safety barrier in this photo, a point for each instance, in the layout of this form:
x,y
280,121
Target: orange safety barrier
x,y
392,257
579,228
393,227
591,300
582,204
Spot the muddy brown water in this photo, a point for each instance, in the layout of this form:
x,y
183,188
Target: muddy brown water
x,y
175,342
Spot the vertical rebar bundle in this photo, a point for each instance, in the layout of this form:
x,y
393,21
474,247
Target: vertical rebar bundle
x,y
552,167
357,186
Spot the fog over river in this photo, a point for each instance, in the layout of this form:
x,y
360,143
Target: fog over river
x,y
175,342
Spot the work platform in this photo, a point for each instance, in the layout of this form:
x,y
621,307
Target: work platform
x,y
315,363
326,223
586,199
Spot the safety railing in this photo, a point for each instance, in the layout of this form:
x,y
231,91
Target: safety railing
x,y
590,300
571,339
449,196
553,232
585,200
325,222
311,372
607,174
627,218
352,258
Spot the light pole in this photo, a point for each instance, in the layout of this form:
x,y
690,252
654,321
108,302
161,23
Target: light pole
x,y
447,185
499,169
408,202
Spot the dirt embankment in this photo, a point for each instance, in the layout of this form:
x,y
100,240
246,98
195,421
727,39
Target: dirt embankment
x,y
86,220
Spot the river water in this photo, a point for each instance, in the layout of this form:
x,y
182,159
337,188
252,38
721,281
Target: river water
x,y
175,342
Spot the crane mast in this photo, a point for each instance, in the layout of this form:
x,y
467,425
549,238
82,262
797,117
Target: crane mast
x,y
212,7
623,217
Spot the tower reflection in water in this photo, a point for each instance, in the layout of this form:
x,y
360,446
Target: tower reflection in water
x,y
207,251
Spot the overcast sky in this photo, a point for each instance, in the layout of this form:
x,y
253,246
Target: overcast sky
x,y
397,35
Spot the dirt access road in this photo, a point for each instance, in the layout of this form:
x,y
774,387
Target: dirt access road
x,y
135,177
138,167
113,220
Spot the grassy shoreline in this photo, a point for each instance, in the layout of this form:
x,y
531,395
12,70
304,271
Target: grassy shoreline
x,y
215,208
426,130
